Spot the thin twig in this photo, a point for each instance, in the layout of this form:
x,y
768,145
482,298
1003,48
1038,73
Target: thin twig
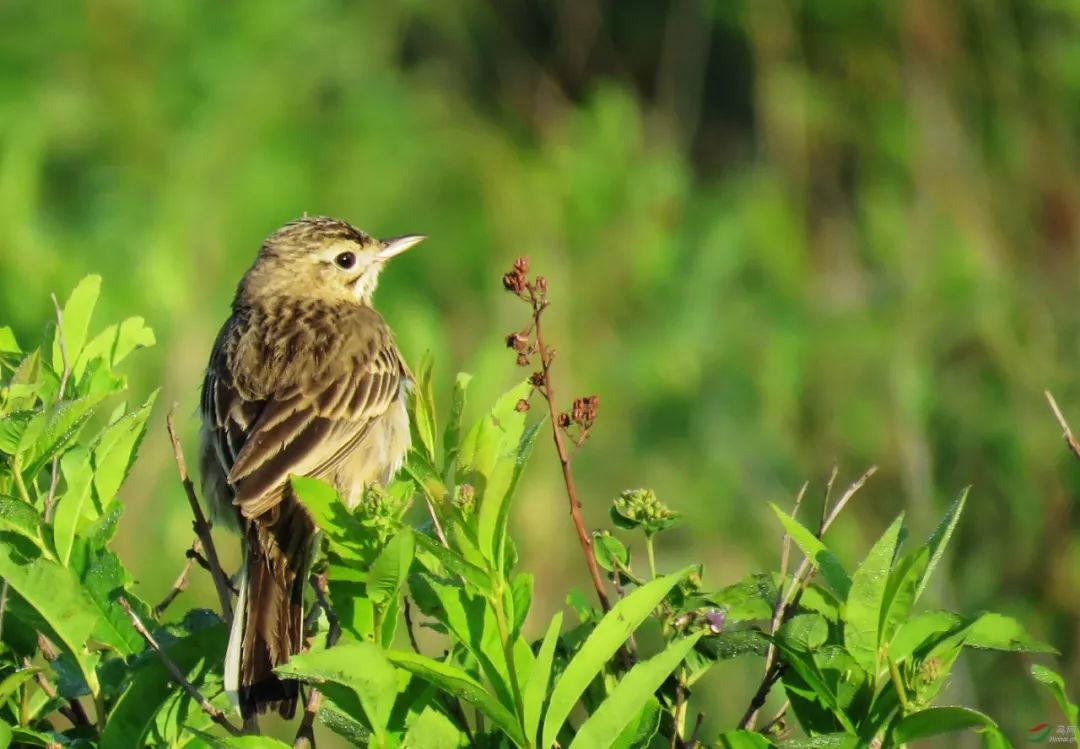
x,y
50,654
845,498
693,740
409,627
201,524
828,495
181,583
50,499
779,717
780,605
73,711
679,715
215,714
1066,432
305,733
799,582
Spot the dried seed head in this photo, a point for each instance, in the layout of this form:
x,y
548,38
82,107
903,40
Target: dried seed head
x,y
536,379
517,341
521,265
522,359
564,420
522,405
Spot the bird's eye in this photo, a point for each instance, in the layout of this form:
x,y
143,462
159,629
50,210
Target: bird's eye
x,y
345,260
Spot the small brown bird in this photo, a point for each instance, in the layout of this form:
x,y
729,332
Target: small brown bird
x,y
304,380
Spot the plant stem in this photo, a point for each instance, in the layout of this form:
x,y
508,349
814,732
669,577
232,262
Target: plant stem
x,y
508,653
201,524
894,672
16,469
548,391
652,555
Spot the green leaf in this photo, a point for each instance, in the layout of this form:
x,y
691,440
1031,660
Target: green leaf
x,y
52,430
490,459
344,532
432,730
939,539
58,598
391,567
1056,684
536,687
421,406
641,728
610,552
79,477
938,720
521,593
740,739
900,593
816,551
360,666
864,600
116,448
804,632
113,344
21,518
13,681
601,644
103,579
238,742
151,685
920,631
76,321
12,428
751,598
8,344
629,696
457,683
452,436
826,741
5,735
524,450
455,563
997,632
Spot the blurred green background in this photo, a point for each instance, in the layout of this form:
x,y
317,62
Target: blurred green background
x,y
778,235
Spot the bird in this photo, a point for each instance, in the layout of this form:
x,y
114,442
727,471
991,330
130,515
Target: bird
x,y
304,379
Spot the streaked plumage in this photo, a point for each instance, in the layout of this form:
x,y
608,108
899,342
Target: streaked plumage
x,y
304,379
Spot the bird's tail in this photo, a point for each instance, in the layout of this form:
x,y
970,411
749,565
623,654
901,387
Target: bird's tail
x,y
267,627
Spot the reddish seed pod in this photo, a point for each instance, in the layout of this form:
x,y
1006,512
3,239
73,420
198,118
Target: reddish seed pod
x,y
564,420
523,359
521,265
522,405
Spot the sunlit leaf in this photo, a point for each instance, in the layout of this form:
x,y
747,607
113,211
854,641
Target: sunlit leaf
x,y
935,721
459,684
629,696
359,666
58,598
816,551
864,600
939,539
76,318
601,644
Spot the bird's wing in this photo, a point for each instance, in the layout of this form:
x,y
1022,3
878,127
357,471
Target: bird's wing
x,y
305,428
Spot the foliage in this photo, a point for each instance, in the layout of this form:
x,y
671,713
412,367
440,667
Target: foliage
x,y
857,660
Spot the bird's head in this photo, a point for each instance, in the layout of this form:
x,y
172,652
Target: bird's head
x,y
321,258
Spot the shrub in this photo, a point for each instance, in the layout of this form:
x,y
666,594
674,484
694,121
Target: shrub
x,y
86,663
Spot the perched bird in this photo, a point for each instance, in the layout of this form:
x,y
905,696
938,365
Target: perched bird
x,y
304,379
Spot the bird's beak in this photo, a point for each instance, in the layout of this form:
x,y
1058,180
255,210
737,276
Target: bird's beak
x,y
398,245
